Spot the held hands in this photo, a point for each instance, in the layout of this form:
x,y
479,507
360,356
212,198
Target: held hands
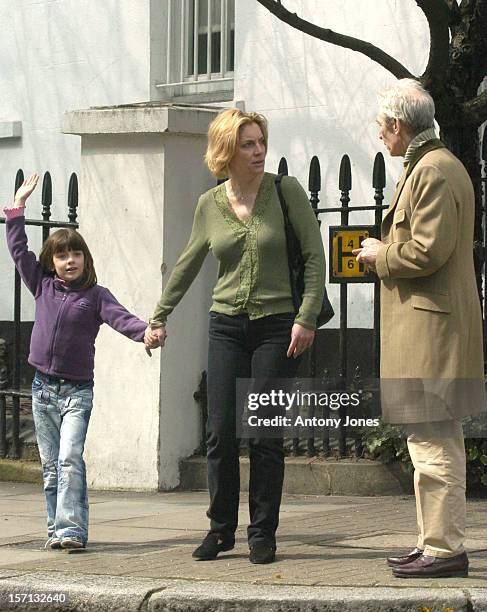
x,y
301,339
368,253
24,191
154,338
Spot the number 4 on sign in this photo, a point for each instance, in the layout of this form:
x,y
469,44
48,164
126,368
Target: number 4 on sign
x,y
344,266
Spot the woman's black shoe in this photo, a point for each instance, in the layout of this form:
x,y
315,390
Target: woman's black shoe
x,y
212,545
262,553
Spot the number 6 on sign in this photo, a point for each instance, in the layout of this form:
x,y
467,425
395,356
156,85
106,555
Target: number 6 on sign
x,y
344,268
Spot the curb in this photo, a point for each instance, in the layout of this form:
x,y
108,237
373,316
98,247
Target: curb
x,y
116,593
225,597
74,592
16,470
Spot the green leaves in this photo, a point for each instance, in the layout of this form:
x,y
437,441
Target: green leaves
x,y
387,443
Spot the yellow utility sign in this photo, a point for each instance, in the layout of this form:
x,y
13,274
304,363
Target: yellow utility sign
x,y
344,264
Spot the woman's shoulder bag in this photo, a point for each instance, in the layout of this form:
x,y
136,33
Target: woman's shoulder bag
x,y
296,263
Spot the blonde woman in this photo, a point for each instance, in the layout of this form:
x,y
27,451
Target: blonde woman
x,y
253,329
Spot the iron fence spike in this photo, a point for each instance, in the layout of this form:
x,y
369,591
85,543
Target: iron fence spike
x,y
73,198
19,179
47,189
379,172
314,182
345,179
283,167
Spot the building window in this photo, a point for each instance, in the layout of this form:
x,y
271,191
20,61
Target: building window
x,y
199,41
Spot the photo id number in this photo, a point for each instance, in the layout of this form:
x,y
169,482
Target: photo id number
x,y
27,598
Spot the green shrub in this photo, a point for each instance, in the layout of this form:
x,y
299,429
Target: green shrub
x,y
384,443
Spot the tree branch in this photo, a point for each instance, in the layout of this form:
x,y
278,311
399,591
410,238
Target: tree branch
x,y
347,42
466,6
438,14
452,5
475,110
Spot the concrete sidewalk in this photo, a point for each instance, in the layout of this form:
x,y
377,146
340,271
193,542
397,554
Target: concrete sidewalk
x,y
331,557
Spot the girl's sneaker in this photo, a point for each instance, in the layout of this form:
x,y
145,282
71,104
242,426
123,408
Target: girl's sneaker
x,y
54,543
72,542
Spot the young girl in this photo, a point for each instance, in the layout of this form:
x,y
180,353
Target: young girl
x,y
69,308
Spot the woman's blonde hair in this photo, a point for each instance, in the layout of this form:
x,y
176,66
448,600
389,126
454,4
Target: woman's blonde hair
x,y
68,240
223,138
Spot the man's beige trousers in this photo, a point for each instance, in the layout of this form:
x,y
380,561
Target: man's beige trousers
x,y
437,451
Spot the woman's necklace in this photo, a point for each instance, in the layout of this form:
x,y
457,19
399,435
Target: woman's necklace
x,y
241,197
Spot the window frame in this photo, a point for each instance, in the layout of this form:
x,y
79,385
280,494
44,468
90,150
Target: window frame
x,y
170,59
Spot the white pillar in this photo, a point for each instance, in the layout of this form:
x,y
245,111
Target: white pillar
x,y
142,171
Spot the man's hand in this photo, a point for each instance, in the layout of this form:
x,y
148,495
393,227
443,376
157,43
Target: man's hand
x,y
301,339
367,254
154,338
24,191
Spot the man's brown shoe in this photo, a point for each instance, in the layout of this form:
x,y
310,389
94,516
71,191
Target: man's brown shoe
x,y
412,556
434,567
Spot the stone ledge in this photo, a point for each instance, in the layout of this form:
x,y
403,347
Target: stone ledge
x,y
303,476
20,471
315,476
10,129
139,118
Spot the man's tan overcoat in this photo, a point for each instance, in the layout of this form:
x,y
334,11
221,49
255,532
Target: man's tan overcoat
x,y
431,330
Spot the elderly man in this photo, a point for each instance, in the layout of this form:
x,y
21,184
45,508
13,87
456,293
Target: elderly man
x,y
431,334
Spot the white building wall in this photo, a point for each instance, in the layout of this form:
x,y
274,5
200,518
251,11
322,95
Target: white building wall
x,y
320,99
184,356
142,169
56,56
120,212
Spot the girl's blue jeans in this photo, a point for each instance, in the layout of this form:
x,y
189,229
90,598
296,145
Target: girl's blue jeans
x,y
62,410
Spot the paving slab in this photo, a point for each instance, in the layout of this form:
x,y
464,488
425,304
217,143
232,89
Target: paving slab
x,y
381,541
22,556
15,525
11,505
133,531
328,547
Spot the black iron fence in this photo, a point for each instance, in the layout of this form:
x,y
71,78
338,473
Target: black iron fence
x,y
11,391
341,379
483,157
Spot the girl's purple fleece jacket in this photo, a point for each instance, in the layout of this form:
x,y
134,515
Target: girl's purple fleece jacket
x,y
67,319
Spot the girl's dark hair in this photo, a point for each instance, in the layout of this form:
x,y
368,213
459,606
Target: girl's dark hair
x,y
68,240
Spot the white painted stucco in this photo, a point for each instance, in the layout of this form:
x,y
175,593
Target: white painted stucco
x,y
56,56
140,187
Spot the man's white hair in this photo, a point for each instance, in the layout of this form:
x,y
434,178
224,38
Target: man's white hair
x,y
408,101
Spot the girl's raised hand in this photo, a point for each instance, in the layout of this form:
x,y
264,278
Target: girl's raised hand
x,y
24,191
